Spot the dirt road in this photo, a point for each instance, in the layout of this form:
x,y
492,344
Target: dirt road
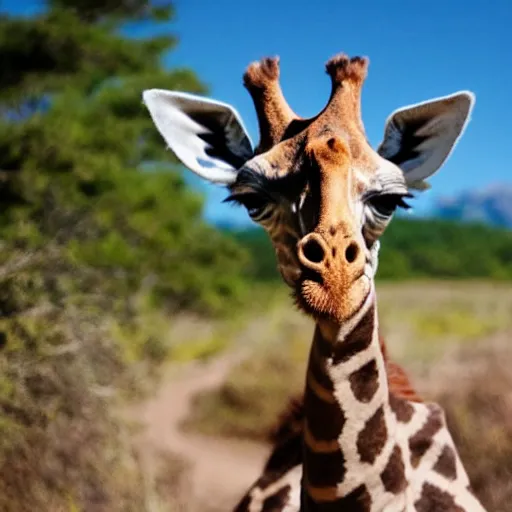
x,y
221,470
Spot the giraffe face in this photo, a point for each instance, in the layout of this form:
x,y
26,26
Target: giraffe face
x,y
324,198
323,195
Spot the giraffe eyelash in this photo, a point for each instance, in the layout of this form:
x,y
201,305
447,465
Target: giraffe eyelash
x,y
384,205
257,205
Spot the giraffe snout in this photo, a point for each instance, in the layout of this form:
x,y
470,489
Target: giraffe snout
x,y
332,255
333,280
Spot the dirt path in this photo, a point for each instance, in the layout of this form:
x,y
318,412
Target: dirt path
x,y
221,470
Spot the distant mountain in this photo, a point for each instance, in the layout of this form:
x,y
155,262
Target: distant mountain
x,y
492,205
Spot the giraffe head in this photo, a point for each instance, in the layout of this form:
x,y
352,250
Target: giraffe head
x,y
316,186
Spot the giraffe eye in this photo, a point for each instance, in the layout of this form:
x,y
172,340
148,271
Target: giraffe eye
x,y
256,205
386,204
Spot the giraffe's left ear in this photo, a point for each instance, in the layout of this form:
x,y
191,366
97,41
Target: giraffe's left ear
x,y
419,138
208,136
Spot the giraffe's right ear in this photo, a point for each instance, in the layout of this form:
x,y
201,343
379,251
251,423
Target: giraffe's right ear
x,y
419,138
206,135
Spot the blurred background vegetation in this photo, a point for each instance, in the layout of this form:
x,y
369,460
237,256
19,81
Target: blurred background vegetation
x,y
108,272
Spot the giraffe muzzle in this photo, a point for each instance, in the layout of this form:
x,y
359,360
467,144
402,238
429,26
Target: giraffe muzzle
x,y
333,280
339,254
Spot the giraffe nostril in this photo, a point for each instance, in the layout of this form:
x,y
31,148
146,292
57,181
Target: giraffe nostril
x,y
313,251
351,252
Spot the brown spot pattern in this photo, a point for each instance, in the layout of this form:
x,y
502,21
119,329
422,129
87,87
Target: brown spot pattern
x,y
446,464
325,419
356,341
401,407
277,501
372,438
286,455
420,442
399,382
393,476
433,499
365,382
324,469
289,422
359,500
323,347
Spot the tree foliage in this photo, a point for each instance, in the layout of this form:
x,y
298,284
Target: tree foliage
x,y
97,227
82,165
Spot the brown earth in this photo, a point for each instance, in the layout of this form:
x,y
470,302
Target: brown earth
x,y
220,470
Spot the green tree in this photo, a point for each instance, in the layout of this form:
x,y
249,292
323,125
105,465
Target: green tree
x,y
93,211
81,164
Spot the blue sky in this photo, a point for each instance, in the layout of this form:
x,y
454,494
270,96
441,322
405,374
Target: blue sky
x,y
417,51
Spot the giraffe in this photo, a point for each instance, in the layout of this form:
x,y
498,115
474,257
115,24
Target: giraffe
x,y
324,196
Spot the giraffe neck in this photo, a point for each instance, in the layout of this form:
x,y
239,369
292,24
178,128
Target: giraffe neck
x,y
349,429
365,448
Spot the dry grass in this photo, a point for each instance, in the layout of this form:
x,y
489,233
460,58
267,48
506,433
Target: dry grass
x,y
422,320
63,445
247,402
163,483
474,385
